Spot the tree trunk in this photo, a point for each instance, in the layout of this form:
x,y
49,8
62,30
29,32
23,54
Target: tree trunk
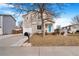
x,y
43,24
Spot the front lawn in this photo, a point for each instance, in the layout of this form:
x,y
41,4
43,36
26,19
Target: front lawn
x,y
55,40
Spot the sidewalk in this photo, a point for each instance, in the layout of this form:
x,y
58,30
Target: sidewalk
x,y
40,51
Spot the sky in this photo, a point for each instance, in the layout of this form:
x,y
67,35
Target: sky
x,y
71,10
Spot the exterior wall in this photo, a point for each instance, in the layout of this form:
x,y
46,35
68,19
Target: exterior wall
x,y
34,28
8,24
1,32
52,28
74,28
27,24
35,22
30,23
0,21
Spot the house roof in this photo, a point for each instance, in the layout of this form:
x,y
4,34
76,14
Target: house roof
x,y
28,13
48,22
8,15
73,24
48,19
70,25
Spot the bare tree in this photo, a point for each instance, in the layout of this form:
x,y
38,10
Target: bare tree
x,y
54,9
20,23
75,20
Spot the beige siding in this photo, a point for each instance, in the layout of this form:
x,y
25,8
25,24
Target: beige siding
x,y
34,28
31,20
27,22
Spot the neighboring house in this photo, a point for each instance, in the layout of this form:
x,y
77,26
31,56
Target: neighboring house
x,y
7,23
32,23
72,28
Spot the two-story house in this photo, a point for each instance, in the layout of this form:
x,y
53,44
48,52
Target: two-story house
x,y
32,22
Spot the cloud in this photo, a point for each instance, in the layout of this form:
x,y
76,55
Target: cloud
x,y
6,5
62,22
11,6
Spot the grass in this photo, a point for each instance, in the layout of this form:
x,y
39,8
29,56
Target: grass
x,y
55,40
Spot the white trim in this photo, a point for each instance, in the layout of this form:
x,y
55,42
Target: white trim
x,y
2,23
1,17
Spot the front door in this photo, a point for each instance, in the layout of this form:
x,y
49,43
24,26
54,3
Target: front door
x,y
49,28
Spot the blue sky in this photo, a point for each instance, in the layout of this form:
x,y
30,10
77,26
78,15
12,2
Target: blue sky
x,y
70,11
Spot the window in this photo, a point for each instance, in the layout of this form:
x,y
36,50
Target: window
x,y
38,26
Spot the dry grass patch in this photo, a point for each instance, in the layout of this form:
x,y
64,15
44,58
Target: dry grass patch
x,y
55,40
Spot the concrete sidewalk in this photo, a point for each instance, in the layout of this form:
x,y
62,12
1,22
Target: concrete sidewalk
x,y
40,51
12,40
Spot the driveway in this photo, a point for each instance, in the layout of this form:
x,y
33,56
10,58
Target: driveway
x,y
10,40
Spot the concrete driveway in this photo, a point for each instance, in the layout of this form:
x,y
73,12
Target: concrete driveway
x,y
12,40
